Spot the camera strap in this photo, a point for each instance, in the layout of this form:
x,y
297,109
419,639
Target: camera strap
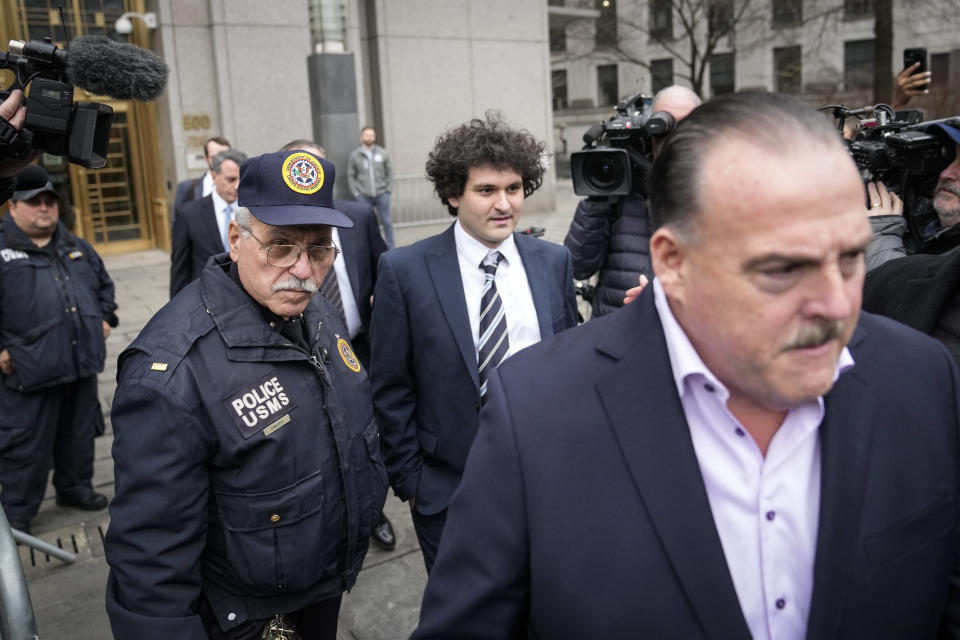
x,y
19,142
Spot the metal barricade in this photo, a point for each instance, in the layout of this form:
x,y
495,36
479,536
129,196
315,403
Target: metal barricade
x,y
413,202
16,611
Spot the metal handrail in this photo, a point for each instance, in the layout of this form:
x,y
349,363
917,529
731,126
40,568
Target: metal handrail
x,y
17,621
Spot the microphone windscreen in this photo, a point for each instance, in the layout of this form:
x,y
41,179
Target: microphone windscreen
x,y
118,70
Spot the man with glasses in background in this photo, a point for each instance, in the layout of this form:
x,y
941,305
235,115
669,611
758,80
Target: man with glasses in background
x,y
247,460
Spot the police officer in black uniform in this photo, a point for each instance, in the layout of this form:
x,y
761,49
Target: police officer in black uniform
x,y
247,460
56,309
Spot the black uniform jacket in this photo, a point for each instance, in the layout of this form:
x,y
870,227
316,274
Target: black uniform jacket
x,y
248,471
53,301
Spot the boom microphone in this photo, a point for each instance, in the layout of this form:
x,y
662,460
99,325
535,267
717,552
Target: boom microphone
x,y
118,70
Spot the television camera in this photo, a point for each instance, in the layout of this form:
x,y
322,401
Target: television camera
x,y
54,124
899,149
617,150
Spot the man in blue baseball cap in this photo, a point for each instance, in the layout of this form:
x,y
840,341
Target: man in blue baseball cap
x,y
247,460
891,238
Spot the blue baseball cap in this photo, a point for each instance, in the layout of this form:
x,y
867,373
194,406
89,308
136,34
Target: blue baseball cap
x,y
290,188
951,131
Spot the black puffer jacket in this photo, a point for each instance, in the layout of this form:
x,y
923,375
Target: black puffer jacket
x,y
611,236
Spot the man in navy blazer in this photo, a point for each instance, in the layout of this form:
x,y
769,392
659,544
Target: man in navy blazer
x,y
740,452
426,331
197,188
200,226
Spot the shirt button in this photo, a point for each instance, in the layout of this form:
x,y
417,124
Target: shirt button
x,y
771,515
781,603
709,387
739,432
275,518
231,616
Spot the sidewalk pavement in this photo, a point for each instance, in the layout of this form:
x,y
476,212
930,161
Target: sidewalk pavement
x,y
68,600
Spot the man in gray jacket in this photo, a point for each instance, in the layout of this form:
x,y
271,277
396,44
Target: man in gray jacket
x,y
369,176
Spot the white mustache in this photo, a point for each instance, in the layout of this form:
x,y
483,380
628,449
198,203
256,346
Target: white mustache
x,y
294,283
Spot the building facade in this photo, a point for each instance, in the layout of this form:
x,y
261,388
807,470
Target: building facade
x,y
822,50
264,73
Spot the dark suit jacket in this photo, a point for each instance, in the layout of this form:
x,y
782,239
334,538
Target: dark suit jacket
x,y
914,289
196,237
362,245
189,189
423,368
583,511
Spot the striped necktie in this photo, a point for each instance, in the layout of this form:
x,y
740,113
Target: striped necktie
x,y
494,343
330,289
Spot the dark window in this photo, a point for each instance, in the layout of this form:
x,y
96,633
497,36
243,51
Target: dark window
x,y
661,74
605,35
858,64
559,78
787,13
608,91
940,70
558,39
787,69
857,9
719,18
722,74
661,19
555,3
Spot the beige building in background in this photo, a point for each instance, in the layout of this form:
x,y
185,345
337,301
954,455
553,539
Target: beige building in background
x,y
263,73
822,50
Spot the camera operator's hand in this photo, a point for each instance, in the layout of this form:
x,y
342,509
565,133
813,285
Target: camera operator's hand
x,y
883,202
13,111
6,363
633,292
910,84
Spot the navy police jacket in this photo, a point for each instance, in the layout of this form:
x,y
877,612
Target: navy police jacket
x,y
248,471
53,301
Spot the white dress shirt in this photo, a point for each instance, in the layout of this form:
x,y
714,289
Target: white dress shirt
x,y
350,309
206,184
223,219
766,509
523,329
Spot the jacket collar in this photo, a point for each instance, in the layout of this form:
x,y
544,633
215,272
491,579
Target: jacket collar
x,y
17,239
243,323
660,456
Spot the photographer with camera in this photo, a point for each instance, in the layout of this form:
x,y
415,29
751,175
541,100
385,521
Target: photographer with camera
x,y
611,234
891,238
